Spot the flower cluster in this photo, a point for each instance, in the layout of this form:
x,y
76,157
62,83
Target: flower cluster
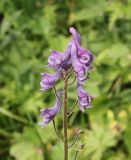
x,y
76,57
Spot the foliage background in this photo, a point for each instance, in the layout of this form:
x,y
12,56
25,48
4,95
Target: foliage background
x,y
28,30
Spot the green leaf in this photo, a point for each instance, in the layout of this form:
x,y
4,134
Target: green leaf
x,y
13,116
25,150
97,141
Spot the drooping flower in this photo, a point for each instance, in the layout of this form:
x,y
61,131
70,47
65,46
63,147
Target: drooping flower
x,y
58,60
79,68
84,98
85,57
81,76
49,80
48,114
76,57
54,60
75,36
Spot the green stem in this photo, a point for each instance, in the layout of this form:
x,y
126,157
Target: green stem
x,y
71,110
76,154
65,119
56,132
76,138
77,151
57,95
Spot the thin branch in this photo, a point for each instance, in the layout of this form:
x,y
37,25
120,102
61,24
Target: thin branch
x,y
58,136
71,111
70,71
57,95
77,151
73,106
70,75
76,138
76,155
72,81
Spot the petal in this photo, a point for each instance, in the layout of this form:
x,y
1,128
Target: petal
x,y
85,57
59,60
83,97
49,80
55,59
49,113
75,35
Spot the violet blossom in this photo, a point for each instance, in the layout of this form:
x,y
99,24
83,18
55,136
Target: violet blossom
x,y
48,114
59,61
49,80
84,98
76,57
79,68
84,55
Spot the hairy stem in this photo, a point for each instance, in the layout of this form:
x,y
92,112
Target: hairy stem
x,y
65,119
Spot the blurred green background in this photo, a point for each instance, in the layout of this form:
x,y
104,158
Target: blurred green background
x,y
29,29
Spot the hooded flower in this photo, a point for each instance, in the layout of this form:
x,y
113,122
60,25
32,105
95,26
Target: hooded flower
x,y
58,60
79,68
49,80
75,36
76,57
54,60
84,98
84,55
48,114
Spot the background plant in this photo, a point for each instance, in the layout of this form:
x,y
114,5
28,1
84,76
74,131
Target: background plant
x,y
28,30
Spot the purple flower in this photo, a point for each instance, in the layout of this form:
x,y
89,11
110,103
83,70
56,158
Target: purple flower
x,y
84,55
84,98
48,114
79,68
75,36
58,60
81,76
54,60
49,80
80,59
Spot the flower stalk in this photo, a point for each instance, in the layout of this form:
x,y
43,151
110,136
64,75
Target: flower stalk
x,y
65,116
76,138
56,132
74,61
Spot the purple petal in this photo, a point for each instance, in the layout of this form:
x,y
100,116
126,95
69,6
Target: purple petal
x,y
75,36
55,59
58,60
79,68
49,113
85,57
84,98
49,80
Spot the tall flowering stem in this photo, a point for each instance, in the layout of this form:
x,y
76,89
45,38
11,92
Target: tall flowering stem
x,y
65,115
75,61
